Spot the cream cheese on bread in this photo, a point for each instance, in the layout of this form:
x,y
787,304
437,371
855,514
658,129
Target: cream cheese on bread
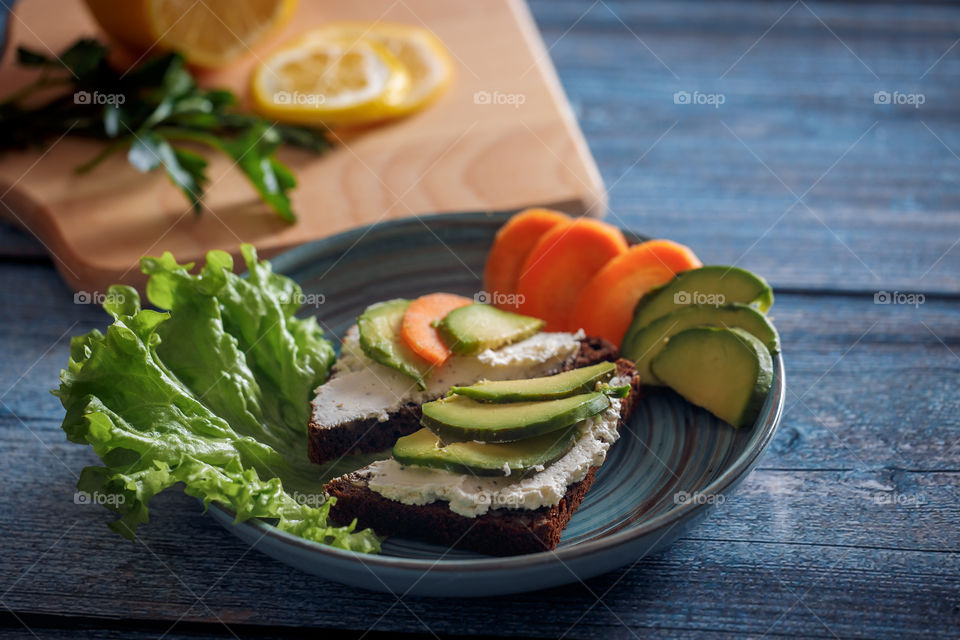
x,y
360,388
473,496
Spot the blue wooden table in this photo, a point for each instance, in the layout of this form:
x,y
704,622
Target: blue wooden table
x,y
753,132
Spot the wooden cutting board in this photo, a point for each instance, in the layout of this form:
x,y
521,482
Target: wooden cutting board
x,y
463,153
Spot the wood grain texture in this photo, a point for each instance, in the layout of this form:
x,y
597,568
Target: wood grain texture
x,y
457,155
799,100
849,527
724,179
856,502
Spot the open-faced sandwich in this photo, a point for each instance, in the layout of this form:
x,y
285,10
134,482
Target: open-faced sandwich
x,y
500,467
495,439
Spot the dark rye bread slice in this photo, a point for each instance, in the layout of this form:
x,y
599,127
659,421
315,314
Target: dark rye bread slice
x,y
326,443
499,532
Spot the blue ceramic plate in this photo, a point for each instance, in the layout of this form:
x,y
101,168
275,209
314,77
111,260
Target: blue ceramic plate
x,y
662,476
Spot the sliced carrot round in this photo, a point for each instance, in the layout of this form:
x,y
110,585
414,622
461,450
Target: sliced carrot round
x,y
513,243
562,262
417,326
605,305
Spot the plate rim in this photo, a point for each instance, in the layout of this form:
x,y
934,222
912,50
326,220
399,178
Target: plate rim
x,y
739,469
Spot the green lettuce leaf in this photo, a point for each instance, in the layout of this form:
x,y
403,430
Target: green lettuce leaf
x,y
212,392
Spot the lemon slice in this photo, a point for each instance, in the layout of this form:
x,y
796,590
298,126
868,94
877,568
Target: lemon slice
x,y
329,80
208,33
421,52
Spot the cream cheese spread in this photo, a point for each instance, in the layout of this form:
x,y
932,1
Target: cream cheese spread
x,y
473,496
360,388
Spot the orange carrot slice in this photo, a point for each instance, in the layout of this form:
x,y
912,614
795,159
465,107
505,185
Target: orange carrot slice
x,y
559,266
417,326
510,248
606,303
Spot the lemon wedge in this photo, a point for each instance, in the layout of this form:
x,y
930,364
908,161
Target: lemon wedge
x,y
327,80
209,33
418,49
351,73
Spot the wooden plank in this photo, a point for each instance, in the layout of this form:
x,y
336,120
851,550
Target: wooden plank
x,y
882,494
907,510
460,154
885,214
183,555
866,515
887,211
19,245
41,627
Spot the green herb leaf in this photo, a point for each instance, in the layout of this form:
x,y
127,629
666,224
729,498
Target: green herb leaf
x,y
29,58
83,57
253,154
303,137
186,169
153,107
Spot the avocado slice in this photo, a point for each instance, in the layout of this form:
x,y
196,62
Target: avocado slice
x,y
523,457
560,385
459,418
713,285
646,343
476,327
728,372
379,327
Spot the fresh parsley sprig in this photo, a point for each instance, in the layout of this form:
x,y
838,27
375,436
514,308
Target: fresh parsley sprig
x,y
151,110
